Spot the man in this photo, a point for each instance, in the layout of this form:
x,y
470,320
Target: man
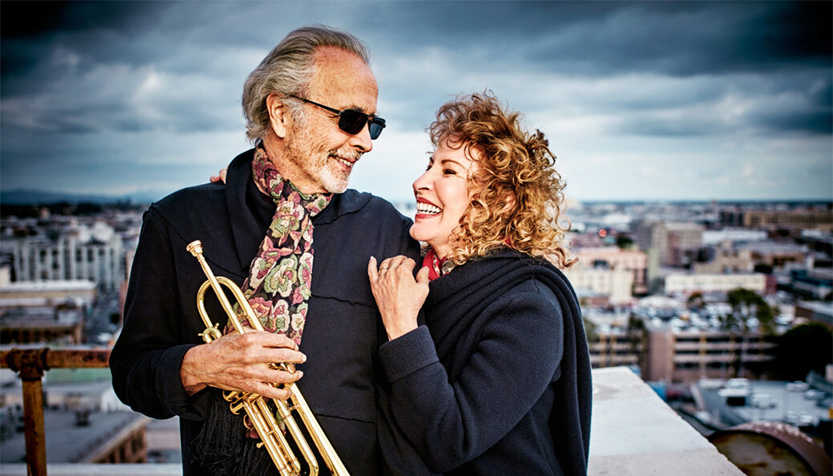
x,y
310,109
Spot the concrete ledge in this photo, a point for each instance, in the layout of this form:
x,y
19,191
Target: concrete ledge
x,y
634,433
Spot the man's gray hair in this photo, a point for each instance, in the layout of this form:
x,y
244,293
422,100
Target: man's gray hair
x,y
287,70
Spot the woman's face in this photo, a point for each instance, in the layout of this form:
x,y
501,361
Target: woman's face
x,y
442,195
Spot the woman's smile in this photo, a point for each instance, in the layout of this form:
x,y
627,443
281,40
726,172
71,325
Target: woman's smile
x,y
442,196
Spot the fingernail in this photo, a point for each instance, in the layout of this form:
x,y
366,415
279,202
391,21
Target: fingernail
x,y
300,373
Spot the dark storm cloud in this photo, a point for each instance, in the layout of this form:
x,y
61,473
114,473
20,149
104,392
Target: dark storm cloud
x,y
710,40
30,19
808,122
31,30
662,127
95,76
678,38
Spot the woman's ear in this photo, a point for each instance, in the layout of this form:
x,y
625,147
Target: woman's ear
x,y
278,115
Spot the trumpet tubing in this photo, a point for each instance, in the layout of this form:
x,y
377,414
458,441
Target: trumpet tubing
x,y
258,410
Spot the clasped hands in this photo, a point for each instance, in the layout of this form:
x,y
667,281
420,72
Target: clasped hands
x,y
242,362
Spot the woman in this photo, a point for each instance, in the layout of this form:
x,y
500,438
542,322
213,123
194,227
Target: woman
x,y
497,380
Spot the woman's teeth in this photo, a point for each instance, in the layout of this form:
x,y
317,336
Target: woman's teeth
x,y
427,208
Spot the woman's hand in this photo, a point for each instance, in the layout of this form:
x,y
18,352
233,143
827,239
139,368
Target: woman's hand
x,y
398,295
220,177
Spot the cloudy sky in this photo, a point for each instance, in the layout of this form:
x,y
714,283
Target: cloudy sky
x,y
640,100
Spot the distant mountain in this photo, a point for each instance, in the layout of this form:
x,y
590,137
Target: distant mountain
x,y
34,197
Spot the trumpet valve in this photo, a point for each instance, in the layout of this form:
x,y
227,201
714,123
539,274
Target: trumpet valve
x,y
211,333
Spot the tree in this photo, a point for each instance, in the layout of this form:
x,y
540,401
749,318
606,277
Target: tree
x,y
695,301
747,304
624,242
804,348
590,330
637,334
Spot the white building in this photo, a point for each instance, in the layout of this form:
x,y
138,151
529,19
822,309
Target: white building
x,y
734,235
614,283
612,257
71,258
704,283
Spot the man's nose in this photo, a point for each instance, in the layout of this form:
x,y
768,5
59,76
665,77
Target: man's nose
x,y
361,140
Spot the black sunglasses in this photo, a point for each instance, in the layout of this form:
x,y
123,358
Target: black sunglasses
x,y
352,121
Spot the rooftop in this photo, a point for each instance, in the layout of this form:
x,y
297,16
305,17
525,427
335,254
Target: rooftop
x,y
54,285
67,441
41,317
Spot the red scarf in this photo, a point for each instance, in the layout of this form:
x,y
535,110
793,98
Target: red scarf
x,y
434,265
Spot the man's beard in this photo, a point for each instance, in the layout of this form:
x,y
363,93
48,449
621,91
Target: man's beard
x,y
318,163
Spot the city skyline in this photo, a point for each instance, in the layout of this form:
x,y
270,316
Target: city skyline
x,y
640,100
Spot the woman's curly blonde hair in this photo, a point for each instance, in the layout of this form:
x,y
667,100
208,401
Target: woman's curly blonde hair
x,y
517,194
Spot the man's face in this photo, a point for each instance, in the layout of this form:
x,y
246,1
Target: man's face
x,y
323,154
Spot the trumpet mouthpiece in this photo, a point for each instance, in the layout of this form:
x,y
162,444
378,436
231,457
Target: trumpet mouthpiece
x,y
195,247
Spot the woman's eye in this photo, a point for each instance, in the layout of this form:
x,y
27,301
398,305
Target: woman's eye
x,y
449,172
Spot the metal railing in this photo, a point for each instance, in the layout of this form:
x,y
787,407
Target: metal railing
x,y
30,364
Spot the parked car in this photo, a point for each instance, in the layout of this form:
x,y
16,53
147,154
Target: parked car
x,y
813,394
800,418
762,400
737,383
798,387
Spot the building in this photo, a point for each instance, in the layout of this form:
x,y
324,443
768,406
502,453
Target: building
x,y
616,349
42,324
816,283
804,218
614,283
734,235
777,255
610,257
675,355
45,311
815,311
99,258
706,283
47,292
83,419
670,239
723,258
81,436
589,299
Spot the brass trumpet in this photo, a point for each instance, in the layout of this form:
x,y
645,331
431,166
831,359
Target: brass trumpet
x,y
258,409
